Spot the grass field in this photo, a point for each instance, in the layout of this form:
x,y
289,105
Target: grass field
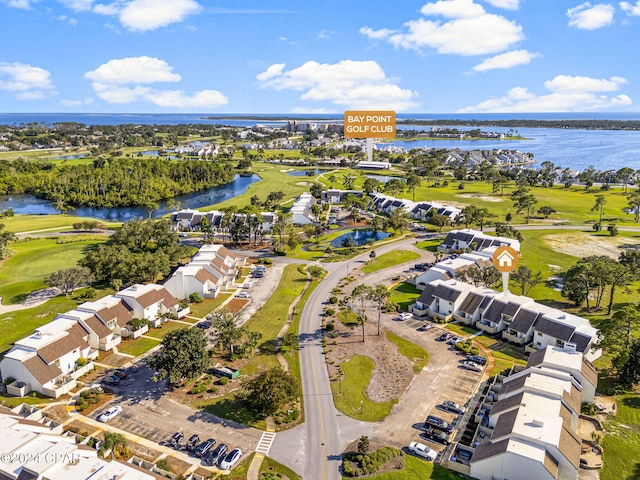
x,y
418,355
403,295
21,323
621,442
170,326
26,270
35,223
208,305
270,318
349,394
138,346
269,465
416,469
389,259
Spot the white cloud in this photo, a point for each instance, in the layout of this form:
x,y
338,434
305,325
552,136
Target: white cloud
x,y
23,4
506,4
325,34
567,94
631,9
70,20
77,103
273,71
21,77
506,60
348,83
468,30
178,99
133,70
77,5
127,80
145,15
591,17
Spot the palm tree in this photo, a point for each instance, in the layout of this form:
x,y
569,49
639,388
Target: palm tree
x,y
379,295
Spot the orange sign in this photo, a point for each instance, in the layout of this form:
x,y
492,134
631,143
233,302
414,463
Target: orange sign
x,y
505,259
369,124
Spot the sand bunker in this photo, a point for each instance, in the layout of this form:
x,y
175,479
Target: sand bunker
x,y
582,244
484,198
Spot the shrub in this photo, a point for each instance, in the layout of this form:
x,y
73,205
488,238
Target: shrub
x,y
9,380
195,298
330,327
198,388
333,300
223,380
330,312
82,361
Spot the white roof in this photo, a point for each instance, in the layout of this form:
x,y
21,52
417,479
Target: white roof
x,y
525,449
104,302
47,333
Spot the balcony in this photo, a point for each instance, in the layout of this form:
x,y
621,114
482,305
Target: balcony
x,y
514,337
488,327
107,344
419,312
530,348
443,317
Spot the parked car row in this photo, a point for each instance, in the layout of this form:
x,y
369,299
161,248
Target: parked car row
x,y
219,456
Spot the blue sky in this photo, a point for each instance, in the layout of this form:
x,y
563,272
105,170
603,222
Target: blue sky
x,y
276,56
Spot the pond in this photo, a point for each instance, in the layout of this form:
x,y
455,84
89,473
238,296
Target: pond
x,y
74,156
304,173
382,178
30,205
360,237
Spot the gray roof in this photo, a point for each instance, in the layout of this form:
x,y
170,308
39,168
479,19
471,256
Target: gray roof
x,y
511,309
446,293
426,297
554,328
485,302
523,321
506,403
511,384
504,425
489,449
581,340
470,304
494,311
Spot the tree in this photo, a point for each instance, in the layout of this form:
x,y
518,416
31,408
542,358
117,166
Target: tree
x,y
588,279
523,200
114,442
525,279
587,177
438,220
361,296
546,211
349,182
617,331
566,177
5,238
413,181
363,445
206,228
624,175
183,354
69,279
225,332
379,294
633,205
630,374
601,201
271,390
504,230
398,220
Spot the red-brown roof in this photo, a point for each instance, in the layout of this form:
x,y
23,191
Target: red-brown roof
x,y
75,338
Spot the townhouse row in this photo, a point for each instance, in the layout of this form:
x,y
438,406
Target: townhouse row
x,y
516,318
50,360
528,422
420,211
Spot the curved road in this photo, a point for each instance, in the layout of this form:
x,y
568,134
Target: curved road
x,y
314,449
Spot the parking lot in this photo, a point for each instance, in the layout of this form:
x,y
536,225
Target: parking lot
x,y
149,413
443,378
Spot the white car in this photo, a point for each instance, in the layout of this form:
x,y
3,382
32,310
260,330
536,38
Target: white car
x,y
242,295
110,414
421,450
405,315
231,459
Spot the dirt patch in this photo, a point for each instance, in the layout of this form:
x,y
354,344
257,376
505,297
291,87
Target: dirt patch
x,y
582,244
115,360
235,305
177,466
393,372
484,198
140,451
57,413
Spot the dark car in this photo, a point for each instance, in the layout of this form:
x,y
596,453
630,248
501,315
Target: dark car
x,y
421,266
434,435
204,324
202,449
121,374
464,455
452,407
193,442
479,359
215,455
176,439
111,380
439,423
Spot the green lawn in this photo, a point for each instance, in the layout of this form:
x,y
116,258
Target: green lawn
x,y
26,270
621,443
403,295
208,305
161,331
416,469
269,465
138,346
231,408
21,323
350,395
34,223
270,318
389,259
418,355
